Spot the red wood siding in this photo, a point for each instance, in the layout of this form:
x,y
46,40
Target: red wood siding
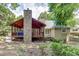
x,y
35,23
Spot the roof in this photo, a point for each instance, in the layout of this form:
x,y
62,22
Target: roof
x,y
51,24
35,23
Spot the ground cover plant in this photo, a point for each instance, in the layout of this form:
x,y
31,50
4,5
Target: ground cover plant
x,y
60,49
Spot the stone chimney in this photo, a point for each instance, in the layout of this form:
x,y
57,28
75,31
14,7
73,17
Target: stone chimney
x,y
27,26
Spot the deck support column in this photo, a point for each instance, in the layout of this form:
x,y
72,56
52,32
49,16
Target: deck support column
x,y
27,26
68,37
11,33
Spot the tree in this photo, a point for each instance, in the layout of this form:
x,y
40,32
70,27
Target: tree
x,y
19,17
62,13
44,15
8,17
12,5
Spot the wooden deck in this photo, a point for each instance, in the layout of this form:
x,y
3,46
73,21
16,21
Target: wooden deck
x,y
74,33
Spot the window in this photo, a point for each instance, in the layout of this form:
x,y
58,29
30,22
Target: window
x,y
75,29
63,30
47,31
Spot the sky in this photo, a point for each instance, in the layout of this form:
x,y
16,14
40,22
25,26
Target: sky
x,y
36,8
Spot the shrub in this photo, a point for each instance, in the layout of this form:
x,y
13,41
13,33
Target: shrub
x,y
57,40
60,49
42,49
21,50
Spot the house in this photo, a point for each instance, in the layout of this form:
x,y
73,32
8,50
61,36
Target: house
x,y
74,33
75,28
27,28
53,31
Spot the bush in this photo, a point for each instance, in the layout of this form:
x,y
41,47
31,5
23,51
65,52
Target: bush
x,y
21,50
42,49
57,40
60,49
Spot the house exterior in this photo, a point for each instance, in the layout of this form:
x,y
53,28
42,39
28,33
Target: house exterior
x,y
53,31
74,33
27,28
75,28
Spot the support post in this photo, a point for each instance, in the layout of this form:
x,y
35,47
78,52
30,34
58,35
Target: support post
x,y
68,37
